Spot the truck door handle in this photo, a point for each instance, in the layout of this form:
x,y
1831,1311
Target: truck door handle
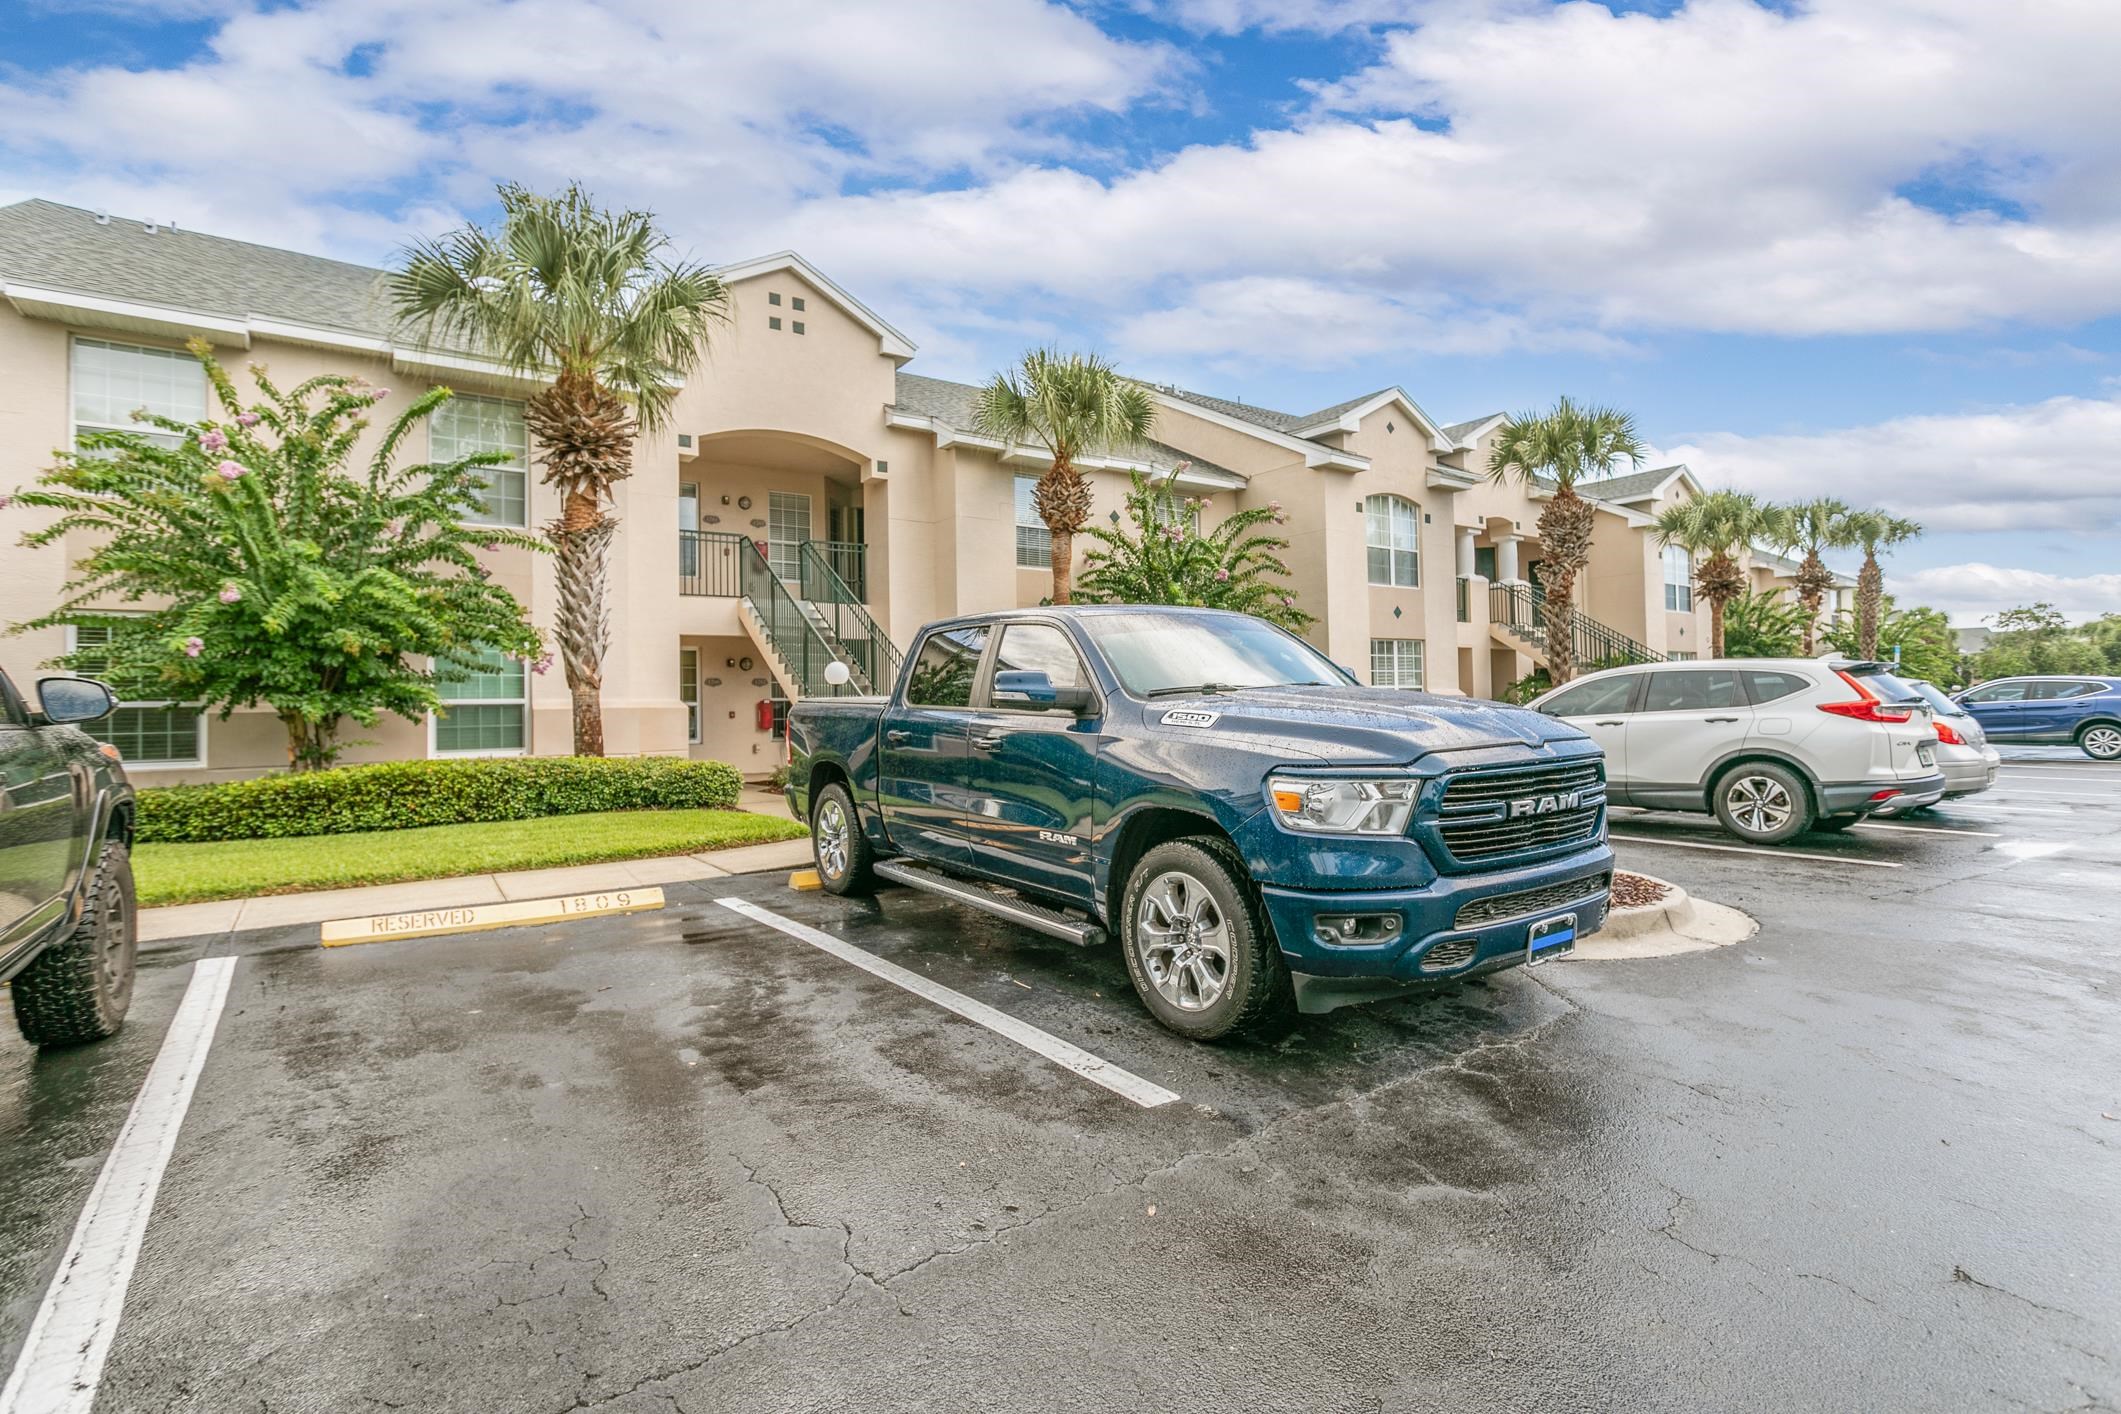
x,y
986,742
895,737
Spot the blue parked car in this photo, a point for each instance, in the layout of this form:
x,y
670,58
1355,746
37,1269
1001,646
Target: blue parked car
x,y
1260,833
2058,710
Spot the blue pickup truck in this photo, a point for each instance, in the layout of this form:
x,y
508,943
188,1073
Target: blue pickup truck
x,y
1262,834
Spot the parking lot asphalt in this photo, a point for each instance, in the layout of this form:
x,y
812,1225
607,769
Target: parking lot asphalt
x,y
684,1161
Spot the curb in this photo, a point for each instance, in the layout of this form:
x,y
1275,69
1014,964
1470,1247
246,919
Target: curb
x,y
1676,923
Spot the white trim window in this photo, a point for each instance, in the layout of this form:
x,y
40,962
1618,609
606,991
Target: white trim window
x,y
111,380
485,712
689,691
1034,543
1392,530
787,527
469,424
150,735
1678,579
1397,662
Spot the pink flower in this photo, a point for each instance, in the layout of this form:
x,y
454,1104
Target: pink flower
x,y
1274,506
377,395
544,661
1221,576
213,439
6,501
194,646
230,594
246,419
232,471
491,545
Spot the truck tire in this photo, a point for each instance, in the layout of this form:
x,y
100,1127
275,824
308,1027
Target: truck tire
x,y
1199,948
838,845
78,988
1763,803
2100,740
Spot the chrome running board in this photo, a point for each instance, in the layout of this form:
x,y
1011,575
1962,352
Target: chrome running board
x,y
1050,921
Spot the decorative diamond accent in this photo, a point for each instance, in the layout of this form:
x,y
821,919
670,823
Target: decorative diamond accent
x,y
1396,611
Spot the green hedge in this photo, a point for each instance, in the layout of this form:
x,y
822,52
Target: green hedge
x,y
399,795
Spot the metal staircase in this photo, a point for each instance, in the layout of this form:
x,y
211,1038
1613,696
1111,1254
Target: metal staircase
x,y
801,630
1517,614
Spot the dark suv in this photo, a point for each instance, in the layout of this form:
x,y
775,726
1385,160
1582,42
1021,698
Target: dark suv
x,y
68,930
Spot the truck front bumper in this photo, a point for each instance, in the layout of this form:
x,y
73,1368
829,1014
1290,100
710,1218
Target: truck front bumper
x,y
1454,928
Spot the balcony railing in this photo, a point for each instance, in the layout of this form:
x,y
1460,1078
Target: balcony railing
x,y
711,563
837,608
847,559
1522,607
802,647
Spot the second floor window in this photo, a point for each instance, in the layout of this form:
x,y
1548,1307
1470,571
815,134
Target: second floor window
x,y
1393,527
468,424
1034,543
111,380
1678,579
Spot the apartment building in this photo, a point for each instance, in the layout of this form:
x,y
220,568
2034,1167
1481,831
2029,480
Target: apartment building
x,y
812,498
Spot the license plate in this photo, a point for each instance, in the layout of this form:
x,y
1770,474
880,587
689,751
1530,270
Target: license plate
x,y
1550,938
1926,756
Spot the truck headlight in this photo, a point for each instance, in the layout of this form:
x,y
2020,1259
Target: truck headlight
x,y
1343,807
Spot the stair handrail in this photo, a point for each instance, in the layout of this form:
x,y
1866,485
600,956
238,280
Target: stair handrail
x,y
802,649
1595,643
851,623
713,572
845,555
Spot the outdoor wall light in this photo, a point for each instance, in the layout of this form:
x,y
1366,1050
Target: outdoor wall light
x,y
743,503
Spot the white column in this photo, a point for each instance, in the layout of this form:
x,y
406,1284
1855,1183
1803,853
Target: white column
x,y
1506,560
1465,552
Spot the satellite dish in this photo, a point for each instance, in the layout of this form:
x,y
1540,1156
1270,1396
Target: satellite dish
x,y
836,673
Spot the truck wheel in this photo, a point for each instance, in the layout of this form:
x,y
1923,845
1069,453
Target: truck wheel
x,y
1198,945
838,844
1763,803
78,988
2101,741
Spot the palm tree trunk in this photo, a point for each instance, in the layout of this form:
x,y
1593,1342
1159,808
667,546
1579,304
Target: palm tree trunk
x,y
582,625
1062,499
1870,599
1813,581
1561,626
1716,603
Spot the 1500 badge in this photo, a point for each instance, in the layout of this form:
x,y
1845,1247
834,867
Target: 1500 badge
x,y
1188,717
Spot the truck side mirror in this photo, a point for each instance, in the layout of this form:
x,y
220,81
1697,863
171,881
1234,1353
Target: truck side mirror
x,y
1032,690
74,699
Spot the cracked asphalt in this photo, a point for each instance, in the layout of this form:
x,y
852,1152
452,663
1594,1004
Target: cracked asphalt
x,y
680,1162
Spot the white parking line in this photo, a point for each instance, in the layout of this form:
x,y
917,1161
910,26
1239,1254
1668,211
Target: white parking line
x,y
1093,1068
2111,795
62,1359
2112,777
1749,849
1931,830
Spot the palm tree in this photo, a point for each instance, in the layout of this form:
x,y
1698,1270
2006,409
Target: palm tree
x,y
1074,405
566,289
1805,529
1566,446
1874,530
1716,529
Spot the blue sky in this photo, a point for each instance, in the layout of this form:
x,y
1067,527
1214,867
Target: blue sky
x,y
1859,247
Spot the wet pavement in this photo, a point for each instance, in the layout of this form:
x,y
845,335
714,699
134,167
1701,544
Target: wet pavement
x,y
680,1161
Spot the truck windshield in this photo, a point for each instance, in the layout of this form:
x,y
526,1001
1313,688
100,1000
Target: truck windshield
x,y
1164,653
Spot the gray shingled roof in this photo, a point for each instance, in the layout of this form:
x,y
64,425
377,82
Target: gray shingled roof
x,y
952,404
1459,431
1273,421
67,248
1632,487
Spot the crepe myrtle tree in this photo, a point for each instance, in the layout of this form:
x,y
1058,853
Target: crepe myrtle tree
x,y
567,290
1161,556
1563,448
278,574
1073,405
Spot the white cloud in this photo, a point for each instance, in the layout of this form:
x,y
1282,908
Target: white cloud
x,y
1284,16
1971,592
2044,466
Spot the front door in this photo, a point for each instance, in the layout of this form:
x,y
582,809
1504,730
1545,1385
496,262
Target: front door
x,y
924,775
1601,709
787,527
688,530
1032,772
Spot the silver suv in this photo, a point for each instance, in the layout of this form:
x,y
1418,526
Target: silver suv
x,y
1773,746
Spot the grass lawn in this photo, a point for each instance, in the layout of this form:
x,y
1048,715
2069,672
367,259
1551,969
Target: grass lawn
x,y
193,873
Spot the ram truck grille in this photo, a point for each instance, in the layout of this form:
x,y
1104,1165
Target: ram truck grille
x,y
1487,814
1526,903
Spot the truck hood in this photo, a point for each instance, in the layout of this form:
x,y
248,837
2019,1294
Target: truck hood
x,y
1367,726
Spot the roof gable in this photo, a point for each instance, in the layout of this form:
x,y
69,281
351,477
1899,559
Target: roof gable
x,y
1347,416
947,408
890,342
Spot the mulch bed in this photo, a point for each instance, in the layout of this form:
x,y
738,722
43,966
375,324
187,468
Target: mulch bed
x,y
1635,891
